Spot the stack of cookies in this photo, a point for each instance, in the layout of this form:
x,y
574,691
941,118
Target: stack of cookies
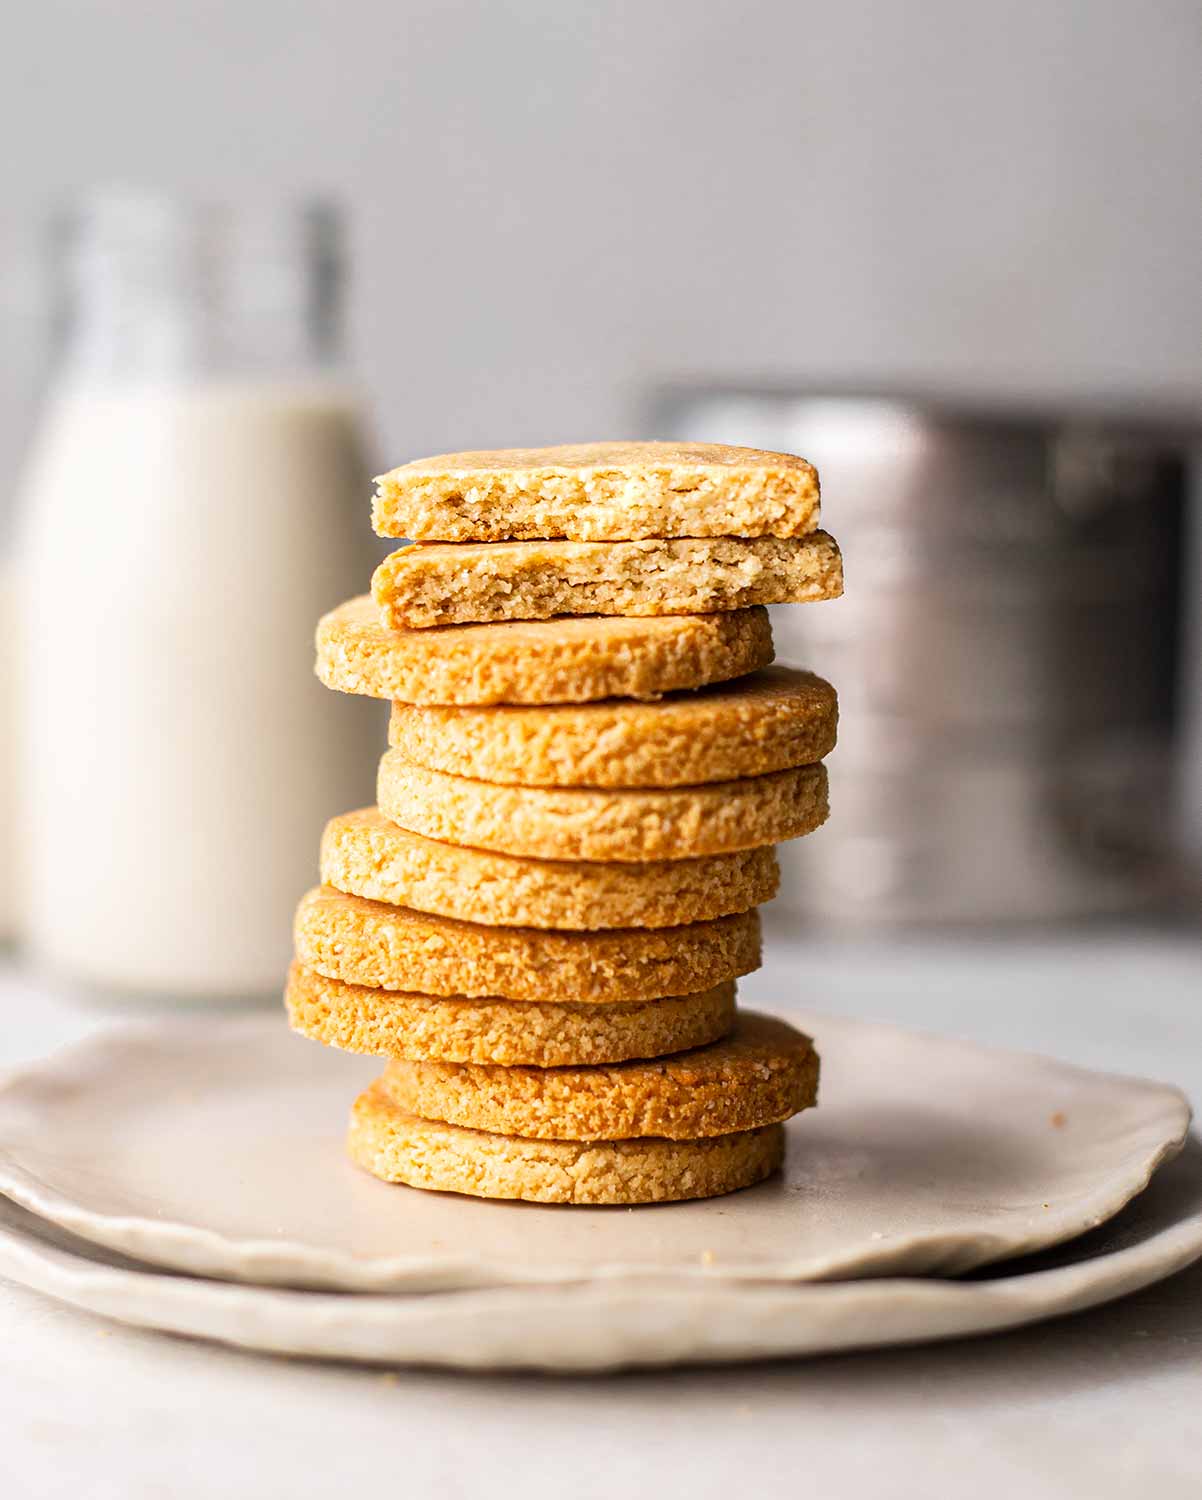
x,y
541,923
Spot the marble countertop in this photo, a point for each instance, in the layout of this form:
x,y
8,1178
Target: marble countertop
x,y
1096,1405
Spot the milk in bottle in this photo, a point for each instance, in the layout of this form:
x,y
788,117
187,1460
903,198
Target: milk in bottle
x,y
193,500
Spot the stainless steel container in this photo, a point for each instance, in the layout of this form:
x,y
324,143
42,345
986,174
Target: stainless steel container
x,y
1004,654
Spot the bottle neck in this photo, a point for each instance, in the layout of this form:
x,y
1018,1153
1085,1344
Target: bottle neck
x,y
154,292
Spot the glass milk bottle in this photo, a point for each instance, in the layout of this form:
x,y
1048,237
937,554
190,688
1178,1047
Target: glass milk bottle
x,y
194,500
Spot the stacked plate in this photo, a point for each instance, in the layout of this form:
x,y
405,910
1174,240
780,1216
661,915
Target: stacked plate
x,y
189,1176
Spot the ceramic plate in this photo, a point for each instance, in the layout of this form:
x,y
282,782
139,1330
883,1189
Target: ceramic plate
x,y
610,1325
215,1146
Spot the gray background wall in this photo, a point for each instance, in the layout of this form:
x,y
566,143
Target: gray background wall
x,y
555,201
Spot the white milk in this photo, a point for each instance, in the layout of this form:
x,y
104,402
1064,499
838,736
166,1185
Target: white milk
x,y
177,757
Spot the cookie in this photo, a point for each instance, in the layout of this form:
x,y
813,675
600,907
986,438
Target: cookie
x,y
544,661
760,1074
387,1023
598,492
772,719
395,948
400,1147
459,583
590,824
366,854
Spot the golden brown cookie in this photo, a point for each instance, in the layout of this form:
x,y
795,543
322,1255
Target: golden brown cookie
x,y
539,661
400,1147
598,492
590,824
764,722
366,854
389,1023
394,948
760,1074
460,583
